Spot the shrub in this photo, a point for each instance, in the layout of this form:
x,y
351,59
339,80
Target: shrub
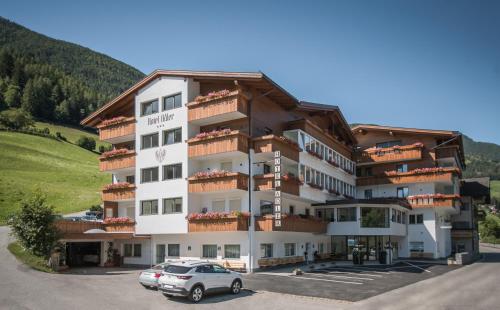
x,y
33,225
15,119
60,136
46,131
96,208
87,143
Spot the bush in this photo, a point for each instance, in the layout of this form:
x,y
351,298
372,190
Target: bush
x,y
103,148
46,131
96,208
60,136
33,225
87,143
15,119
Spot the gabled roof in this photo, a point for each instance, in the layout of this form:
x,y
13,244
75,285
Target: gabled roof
x,y
356,129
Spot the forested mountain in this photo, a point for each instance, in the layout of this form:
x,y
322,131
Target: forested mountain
x,y
482,159
56,80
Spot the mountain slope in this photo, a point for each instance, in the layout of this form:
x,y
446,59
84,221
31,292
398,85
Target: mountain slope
x,y
68,174
482,159
97,71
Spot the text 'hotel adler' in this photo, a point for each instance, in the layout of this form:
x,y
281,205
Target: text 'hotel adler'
x,y
230,167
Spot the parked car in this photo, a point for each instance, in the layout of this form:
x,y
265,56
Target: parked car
x,y
194,279
149,277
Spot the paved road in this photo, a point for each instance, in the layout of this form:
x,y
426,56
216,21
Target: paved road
x,y
476,286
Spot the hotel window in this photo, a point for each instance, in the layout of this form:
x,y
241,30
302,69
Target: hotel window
x,y
368,194
416,219
420,218
231,251
171,172
416,246
289,249
137,250
403,218
402,168
308,175
266,207
172,136
149,141
267,169
308,212
346,214
149,175
383,145
402,192
234,205
149,207
130,179
226,166
174,250
218,206
393,215
150,107
209,251
266,250
127,250
172,205
172,102
132,250
291,210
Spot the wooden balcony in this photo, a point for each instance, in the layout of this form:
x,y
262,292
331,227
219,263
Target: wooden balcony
x,y
120,227
265,182
117,130
415,176
429,201
117,162
229,182
219,109
230,223
119,194
390,154
70,230
71,227
447,152
235,141
291,223
271,143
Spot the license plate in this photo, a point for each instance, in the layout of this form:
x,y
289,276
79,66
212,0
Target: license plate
x,y
167,286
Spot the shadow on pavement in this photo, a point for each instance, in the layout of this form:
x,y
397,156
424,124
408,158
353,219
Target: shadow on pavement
x,y
106,271
214,298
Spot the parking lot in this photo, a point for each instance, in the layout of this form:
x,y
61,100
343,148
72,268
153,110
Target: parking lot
x,y
345,282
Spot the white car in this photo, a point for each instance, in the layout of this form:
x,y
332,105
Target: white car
x,y
193,279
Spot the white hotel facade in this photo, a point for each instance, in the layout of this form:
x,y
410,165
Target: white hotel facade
x,y
195,175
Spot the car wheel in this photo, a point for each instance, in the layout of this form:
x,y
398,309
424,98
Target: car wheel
x,y
196,294
236,287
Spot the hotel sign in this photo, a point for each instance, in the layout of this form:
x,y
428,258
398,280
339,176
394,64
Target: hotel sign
x,y
159,119
277,189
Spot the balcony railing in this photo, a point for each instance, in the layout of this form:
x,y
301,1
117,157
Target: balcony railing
x,y
217,183
291,223
272,143
434,200
118,192
391,154
120,227
445,152
233,141
229,223
119,129
71,227
218,108
415,176
266,182
118,161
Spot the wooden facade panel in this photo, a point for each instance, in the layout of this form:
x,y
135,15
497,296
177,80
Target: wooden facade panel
x,y
117,162
71,227
234,142
118,194
449,201
232,181
295,223
404,179
120,227
266,182
223,224
235,102
272,143
374,157
121,129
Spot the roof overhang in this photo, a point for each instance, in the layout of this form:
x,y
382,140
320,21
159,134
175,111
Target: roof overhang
x,y
380,202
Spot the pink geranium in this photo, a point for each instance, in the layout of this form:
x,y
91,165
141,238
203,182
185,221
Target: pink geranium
x,y
118,220
112,121
213,134
213,95
118,185
210,174
113,153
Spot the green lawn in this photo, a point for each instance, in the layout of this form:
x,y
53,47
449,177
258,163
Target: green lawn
x,y
35,262
495,189
68,174
71,134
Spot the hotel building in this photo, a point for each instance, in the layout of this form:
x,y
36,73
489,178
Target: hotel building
x,y
230,167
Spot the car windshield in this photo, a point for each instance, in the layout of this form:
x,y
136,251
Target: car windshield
x,y
177,269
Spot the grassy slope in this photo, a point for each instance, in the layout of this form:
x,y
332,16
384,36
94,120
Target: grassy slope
x,y
68,174
495,189
70,133
35,262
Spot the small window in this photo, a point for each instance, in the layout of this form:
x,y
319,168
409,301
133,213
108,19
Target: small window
x,y
232,251
150,107
174,250
127,250
411,219
266,207
346,214
289,249
420,218
267,169
417,246
368,172
149,175
171,172
130,179
218,206
172,102
226,166
402,192
266,250
160,253
368,194
402,168
137,250
172,136
388,144
209,250
234,205
149,141
149,207
291,210
172,205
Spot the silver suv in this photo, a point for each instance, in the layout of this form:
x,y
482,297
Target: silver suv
x,y
193,279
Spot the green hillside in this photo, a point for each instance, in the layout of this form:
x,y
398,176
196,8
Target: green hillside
x,y
482,159
495,189
72,134
68,174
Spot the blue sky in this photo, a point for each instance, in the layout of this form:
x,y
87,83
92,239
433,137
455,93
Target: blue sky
x,y
427,64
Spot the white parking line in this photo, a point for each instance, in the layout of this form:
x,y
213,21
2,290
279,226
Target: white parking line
x,y
306,278
336,276
418,267
362,270
355,273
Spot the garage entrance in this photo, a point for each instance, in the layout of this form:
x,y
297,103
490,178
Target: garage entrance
x,y
83,254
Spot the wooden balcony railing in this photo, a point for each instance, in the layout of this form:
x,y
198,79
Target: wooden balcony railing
x,y
390,154
235,141
120,227
117,194
272,143
228,182
446,152
122,128
117,162
71,227
415,176
265,182
291,223
437,200
234,105
230,223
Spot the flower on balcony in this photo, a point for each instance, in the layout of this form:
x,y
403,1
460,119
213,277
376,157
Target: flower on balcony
x,y
112,121
290,142
422,171
213,95
118,185
433,196
213,134
113,153
118,220
290,177
313,153
210,174
314,185
216,215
